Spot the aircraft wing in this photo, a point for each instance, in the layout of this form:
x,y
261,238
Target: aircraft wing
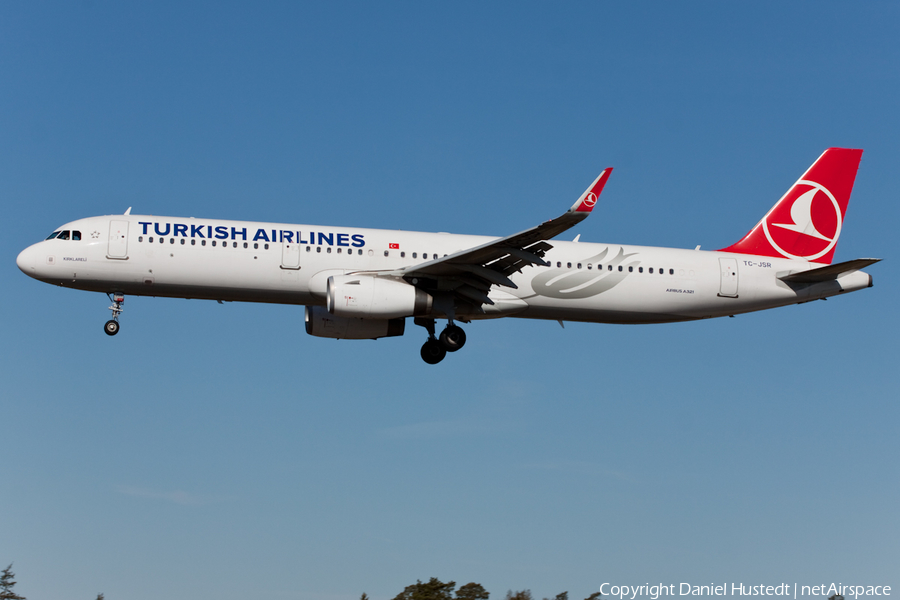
x,y
470,273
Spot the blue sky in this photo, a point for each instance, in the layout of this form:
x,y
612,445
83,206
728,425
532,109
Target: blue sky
x,y
219,451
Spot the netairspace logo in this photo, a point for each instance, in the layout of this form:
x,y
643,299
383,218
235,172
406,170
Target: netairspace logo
x,y
654,592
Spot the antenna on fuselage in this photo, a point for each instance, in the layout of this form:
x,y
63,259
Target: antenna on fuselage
x,y
128,212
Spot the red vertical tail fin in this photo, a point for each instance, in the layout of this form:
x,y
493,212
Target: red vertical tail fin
x,y
806,223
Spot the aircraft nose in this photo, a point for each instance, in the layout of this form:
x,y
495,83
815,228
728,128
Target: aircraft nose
x,y
25,261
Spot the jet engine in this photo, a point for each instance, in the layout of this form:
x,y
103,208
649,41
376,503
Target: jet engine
x,y
370,297
321,323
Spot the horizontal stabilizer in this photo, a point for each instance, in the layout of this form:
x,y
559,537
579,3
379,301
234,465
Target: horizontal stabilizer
x,y
829,272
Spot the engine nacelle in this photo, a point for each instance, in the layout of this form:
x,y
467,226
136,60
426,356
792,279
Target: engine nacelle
x,y
321,323
370,297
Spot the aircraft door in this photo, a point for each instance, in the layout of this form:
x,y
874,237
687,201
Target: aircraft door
x,y
118,240
290,255
728,282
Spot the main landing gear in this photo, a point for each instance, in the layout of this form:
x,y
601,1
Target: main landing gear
x,y
112,326
434,350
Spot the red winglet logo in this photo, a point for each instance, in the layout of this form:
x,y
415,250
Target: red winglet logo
x,y
806,223
589,199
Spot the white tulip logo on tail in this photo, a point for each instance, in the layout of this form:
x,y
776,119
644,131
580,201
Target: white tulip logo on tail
x,y
810,225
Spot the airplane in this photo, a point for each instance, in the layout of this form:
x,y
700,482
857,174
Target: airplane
x,y
364,283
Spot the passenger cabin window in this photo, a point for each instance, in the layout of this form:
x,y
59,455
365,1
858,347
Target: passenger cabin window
x,y
52,235
63,236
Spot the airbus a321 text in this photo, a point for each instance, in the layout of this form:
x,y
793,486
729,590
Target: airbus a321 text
x,y
364,283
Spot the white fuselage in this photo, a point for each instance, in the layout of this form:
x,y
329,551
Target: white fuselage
x,y
291,264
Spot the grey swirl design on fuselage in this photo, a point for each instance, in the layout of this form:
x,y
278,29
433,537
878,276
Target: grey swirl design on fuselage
x,y
582,283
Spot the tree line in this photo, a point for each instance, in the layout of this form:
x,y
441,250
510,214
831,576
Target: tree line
x,y
8,582
435,589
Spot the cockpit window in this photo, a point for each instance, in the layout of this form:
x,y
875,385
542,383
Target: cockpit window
x,y
76,236
52,235
63,236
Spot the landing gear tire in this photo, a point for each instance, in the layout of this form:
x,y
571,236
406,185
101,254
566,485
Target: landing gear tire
x,y
453,338
112,326
433,352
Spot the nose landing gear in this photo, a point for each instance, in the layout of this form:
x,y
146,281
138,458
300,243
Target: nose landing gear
x,y
434,350
112,326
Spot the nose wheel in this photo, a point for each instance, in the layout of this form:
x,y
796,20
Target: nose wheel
x,y
111,327
434,350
